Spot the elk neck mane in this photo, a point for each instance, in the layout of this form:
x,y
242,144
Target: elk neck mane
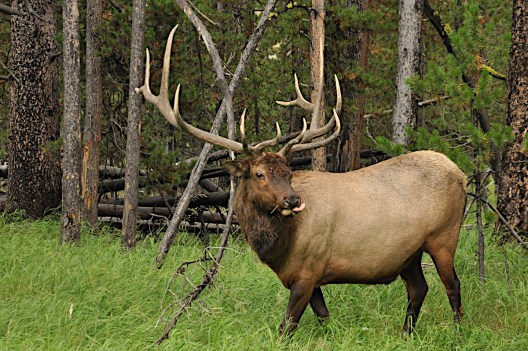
x,y
270,235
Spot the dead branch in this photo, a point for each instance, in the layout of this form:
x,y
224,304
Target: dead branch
x,y
208,276
227,101
30,10
10,11
10,73
200,165
505,222
506,269
480,231
116,6
420,104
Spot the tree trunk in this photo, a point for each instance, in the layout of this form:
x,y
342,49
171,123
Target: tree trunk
x,y
71,162
513,191
350,156
406,106
134,125
34,164
94,113
318,33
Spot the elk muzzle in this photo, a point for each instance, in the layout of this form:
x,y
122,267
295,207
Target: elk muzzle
x,y
292,205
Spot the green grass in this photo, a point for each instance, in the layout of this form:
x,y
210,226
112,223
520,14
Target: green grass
x,y
97,296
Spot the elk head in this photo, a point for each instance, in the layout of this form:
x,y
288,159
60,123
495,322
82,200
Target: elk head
x,y
269,179
266,171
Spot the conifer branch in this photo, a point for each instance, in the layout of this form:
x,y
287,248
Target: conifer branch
x,y
444,30
493,72
482,115
420,104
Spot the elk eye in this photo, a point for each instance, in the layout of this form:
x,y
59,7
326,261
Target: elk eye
x,y
259,175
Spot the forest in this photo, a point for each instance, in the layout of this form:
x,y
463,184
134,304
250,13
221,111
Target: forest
x,y
105,106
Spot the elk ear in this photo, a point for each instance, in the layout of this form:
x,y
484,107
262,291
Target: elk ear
x,y
237,168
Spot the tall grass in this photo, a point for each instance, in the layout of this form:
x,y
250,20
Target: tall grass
x,y
98,296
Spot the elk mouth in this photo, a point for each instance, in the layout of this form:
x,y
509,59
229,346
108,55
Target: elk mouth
x,y
286,212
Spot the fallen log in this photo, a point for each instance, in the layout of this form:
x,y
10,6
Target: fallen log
x,y
219,198
115,185
116,211
112,172
149,226
3,201
112,178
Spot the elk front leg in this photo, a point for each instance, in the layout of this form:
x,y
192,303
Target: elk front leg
x,y
300,295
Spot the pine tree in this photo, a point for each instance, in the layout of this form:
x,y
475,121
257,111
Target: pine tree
x,y
34,165
513,189
71,161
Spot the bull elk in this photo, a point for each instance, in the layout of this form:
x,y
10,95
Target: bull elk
x,y
367,226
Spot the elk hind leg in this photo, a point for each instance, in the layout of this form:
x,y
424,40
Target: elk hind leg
x,y
443,259
417,288
318,305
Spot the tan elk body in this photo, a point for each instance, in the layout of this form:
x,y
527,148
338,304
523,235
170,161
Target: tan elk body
x,y
365,226
362,226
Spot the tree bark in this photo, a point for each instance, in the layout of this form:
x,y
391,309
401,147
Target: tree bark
x,y
318,33
409,30
94,113
34,165
134,125
71,162
513,192
350,154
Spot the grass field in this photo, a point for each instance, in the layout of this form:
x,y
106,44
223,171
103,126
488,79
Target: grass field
x,y
97,296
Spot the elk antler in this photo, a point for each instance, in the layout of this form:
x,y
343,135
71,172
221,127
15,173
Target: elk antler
x,y
304,141
173,116
260,146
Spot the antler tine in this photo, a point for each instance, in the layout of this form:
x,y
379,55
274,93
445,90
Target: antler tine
x,y
339,98
300,100
161,101
286,148
304,140
243,132
260,146
319,143
315,132
172,114
264,144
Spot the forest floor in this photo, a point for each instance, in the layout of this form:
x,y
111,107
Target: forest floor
x,y
98,296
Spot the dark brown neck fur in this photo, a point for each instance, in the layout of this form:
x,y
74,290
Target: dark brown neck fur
x,y
270,236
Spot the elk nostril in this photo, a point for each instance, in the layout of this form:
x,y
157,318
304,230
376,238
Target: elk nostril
x,y
292,201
